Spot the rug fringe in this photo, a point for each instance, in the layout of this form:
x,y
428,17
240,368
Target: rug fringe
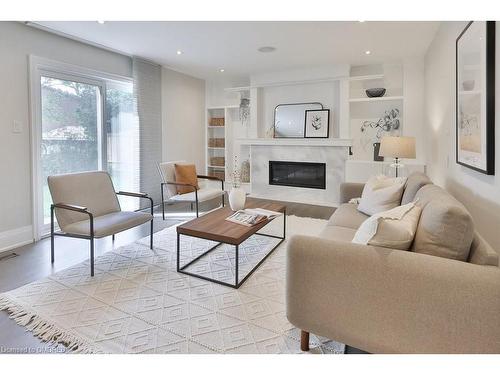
x,y
42,329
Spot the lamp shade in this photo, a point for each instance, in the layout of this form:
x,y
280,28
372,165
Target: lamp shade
x,y
398,147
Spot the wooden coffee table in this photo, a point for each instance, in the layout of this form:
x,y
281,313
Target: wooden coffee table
x,y
213,226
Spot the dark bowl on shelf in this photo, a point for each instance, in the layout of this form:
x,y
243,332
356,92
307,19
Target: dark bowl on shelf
x,y
375,93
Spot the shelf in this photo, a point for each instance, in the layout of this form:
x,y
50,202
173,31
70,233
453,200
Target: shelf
x,y
381,99
367,77
470,92
216,166
316,142
215,127
216,148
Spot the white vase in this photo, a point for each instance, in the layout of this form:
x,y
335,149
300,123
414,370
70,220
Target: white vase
x,y
237,198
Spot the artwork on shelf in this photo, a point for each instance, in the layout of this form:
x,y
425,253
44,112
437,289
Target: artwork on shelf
x,y
388,124
475,95
317,123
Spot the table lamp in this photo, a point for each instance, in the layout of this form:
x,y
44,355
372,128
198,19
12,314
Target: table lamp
x,y
397,148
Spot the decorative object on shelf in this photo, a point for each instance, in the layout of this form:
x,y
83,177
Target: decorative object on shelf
x,y
375,92
244,111
216,142
317,123
245,171
376,152
218,161
216,121
397,147
468,85
475,110
289,119
237,196
270,132
389,123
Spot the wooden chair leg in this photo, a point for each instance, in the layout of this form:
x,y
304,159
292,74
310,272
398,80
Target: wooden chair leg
x,y
304,341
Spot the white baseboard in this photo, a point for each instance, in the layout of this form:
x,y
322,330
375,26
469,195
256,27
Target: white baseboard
x,y
13,238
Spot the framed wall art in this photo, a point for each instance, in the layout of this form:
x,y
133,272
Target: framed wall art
x,y
475,97
317,123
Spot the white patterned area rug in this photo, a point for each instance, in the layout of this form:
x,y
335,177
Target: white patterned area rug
x,y
138,303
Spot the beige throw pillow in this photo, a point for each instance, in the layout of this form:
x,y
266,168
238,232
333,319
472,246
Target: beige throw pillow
x,y
394,228
381,193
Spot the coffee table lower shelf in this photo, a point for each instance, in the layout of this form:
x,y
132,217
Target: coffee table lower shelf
x,y
237,283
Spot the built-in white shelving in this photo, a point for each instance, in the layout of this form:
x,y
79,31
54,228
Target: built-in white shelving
x,y
363,109
368,77
379,99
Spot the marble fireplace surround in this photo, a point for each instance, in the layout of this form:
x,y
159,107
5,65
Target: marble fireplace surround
x,y
333,152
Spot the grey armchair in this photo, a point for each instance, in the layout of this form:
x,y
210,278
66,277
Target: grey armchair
x,y
169,188
87,207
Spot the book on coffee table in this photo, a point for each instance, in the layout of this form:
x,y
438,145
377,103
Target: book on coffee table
x,y
252,216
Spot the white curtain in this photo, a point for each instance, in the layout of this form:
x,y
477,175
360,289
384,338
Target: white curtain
x,y
147,95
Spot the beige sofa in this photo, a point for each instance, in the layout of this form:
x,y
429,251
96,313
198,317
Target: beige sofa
x,y
383,300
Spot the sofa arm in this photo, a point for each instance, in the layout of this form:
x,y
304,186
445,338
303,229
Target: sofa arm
x,y
392,301
349,190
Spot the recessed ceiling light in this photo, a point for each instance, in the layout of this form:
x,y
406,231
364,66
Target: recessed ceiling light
x,y
367,52
221,70
179,52
100,22
267,49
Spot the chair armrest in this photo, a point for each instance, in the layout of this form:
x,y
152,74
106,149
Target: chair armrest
x,y
349,190
385,301
213,178
139,195
71,207
130,194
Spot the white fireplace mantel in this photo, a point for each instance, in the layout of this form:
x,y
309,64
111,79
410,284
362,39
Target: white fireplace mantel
x,y
318,142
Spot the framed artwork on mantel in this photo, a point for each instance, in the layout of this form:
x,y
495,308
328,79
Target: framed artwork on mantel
x,y
475,97
317,123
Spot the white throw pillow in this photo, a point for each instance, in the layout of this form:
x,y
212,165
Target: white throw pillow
x,y
381,193
395,228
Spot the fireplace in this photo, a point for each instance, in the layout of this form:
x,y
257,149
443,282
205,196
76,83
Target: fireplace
x,y
297,174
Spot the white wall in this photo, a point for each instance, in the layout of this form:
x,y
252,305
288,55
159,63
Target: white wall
x,y
17,42
478,192
183,118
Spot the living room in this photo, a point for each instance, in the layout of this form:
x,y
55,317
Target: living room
x,y
203,185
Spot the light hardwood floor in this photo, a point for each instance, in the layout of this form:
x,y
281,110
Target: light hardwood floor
x,y
32,262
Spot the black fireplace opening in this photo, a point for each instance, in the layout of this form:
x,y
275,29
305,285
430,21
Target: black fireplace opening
x,y
297,174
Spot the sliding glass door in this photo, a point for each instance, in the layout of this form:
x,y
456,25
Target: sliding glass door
x,y
71,130
82,123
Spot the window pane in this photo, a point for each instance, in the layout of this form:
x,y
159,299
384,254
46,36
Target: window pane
x,y
122,137
70,130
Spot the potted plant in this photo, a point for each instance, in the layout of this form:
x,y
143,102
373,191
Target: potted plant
x,y
388,123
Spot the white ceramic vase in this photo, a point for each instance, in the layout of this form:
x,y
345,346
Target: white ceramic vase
x,y
237,198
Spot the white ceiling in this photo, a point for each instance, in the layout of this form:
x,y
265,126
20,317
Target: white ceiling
x,y
209,46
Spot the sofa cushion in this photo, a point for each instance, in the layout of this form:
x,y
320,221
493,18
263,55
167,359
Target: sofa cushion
x,y
334,232
445,228
482,253
348,216
413,184
381,193
394,229
109,224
